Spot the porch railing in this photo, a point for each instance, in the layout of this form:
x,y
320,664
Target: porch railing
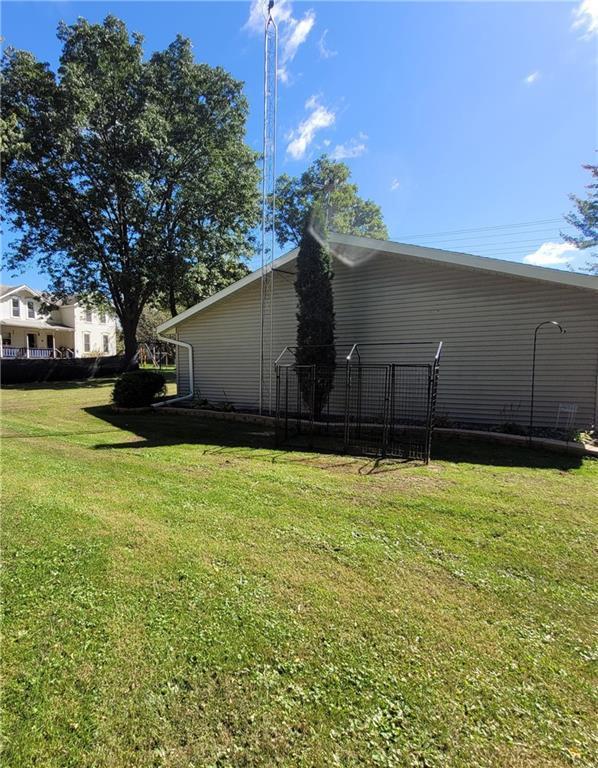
x,y
34,353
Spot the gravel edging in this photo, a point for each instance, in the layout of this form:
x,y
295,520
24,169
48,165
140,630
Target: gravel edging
x,y
143,409
251,418
501,438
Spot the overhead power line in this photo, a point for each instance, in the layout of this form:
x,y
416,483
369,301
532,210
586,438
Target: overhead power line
x,y
540,234
476,244
484,229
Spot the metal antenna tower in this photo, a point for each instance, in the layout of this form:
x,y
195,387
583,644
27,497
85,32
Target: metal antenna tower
x,y
268,211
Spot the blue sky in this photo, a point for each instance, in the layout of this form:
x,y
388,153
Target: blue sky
x,y
467,122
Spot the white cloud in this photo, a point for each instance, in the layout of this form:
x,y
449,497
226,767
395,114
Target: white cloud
x,y
325,51
394,184
531,78
551,255
283,75
301,137
292,32
298,32
585,18
351,148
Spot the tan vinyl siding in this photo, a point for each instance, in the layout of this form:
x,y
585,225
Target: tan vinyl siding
x,y
486,321
225,339
182,368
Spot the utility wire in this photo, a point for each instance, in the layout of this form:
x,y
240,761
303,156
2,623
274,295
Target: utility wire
x,y
497,235
492,245
484,229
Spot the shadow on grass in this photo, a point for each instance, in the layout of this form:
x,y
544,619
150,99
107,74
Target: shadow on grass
x,y
159,428
62,385
99,381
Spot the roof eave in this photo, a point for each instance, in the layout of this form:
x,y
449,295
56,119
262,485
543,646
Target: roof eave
x,y
461,259
450,258
233,288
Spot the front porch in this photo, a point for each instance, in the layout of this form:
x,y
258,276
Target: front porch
x,y
34,352
37,340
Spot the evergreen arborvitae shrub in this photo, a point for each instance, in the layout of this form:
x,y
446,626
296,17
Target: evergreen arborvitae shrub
x,y
315,314
138,389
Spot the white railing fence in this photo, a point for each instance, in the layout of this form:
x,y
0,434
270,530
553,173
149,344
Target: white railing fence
x,y
34,353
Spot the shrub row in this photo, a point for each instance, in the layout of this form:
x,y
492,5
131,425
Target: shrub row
x,y
29,371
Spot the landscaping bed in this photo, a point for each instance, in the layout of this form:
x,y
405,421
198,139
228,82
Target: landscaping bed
x,y
490,436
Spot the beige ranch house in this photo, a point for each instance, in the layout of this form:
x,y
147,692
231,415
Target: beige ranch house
x,y
69,330
483,310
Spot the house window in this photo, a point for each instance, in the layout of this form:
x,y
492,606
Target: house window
x,y
87,342
88,316
106,343
102,317
30,309
16,307
7,339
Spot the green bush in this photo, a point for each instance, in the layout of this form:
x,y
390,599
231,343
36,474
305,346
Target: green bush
x,y
137,389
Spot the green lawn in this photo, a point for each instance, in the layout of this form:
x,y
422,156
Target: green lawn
x,y
179,593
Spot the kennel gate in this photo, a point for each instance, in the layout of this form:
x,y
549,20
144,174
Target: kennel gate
x,y
377,409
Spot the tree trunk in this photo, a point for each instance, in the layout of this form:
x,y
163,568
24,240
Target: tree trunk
x,y
130,339
172,300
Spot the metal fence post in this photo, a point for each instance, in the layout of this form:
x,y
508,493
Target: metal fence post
x,y
347,403
277,412
313,405
359,386
429,416
391,416
298,372
286,404
385,416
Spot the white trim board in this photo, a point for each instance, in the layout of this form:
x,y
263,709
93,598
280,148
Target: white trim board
x,y
455,258
22,287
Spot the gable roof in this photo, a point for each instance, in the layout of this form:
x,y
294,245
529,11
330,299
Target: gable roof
x,y
232,288
7,290
68,301
455,258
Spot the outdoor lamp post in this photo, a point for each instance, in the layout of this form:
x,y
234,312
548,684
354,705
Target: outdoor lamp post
x,y
531,408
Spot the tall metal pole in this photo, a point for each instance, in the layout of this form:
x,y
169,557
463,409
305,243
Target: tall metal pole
x,y
531,407
268,208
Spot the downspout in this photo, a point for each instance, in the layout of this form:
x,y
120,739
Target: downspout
x,y
189,349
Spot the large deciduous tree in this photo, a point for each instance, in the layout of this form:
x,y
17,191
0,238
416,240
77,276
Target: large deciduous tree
x,y
326,182
585,219
126,178
315,314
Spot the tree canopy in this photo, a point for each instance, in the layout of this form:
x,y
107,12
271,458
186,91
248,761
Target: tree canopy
x,y
126,178
326,182
585,219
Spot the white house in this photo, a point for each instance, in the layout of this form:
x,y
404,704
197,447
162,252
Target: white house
x,y
484,310
70,330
